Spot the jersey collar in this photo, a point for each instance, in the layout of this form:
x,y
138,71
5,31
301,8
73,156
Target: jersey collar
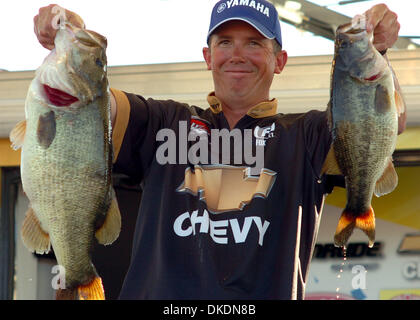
x,y
261,110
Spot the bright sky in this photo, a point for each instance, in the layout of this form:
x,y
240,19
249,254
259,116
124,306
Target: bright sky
x,y
158,31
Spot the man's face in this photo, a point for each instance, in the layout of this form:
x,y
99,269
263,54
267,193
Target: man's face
x,y
243,63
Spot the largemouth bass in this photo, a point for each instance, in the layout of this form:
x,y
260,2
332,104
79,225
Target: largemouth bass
x,y
363,116
66,160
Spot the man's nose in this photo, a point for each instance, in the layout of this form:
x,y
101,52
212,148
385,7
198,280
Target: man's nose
x,y
238,54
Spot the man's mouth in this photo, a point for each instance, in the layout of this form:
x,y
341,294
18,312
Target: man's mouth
x,y
59,98
237,73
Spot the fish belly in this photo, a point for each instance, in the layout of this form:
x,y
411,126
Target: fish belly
x,y
68,187
364,140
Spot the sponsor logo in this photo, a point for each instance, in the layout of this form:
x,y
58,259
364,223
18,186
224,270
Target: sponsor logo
x,y
213,185
189,224
199,126
354,250
263,134
249,3
410,244
221,7
411,270
327,296
400,294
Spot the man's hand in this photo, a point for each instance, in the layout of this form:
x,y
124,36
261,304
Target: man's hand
x,y
384,24
46,23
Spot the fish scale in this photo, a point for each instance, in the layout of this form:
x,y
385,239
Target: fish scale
x,y
58,180
66,160
363,117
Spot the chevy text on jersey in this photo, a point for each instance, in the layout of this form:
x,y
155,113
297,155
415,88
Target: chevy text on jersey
x,y
235,225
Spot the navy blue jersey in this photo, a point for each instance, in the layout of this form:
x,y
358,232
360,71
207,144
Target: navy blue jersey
x,y
220,227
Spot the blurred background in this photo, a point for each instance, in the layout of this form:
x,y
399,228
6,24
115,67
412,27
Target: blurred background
x,y
155,49
167,31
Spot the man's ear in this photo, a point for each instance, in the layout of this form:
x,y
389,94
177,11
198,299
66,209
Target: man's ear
x,y
207,57
281,59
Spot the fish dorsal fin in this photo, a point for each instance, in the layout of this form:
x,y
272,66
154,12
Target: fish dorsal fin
x,y
17,135
388,181
33,237
110,229
399,102
330,165
399,99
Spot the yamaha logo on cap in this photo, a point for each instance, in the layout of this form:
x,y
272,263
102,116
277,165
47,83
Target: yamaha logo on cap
x,y
221,7
261,14
257,5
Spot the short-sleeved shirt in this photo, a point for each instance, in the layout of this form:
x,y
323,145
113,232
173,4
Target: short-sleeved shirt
x,y
217,226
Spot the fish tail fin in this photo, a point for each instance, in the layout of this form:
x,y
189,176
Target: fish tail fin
x,y
94,290
348,221
66,294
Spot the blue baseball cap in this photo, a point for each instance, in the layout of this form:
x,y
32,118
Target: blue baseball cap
x,y
261,14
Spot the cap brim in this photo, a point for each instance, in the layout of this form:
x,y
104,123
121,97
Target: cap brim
x,y
261,29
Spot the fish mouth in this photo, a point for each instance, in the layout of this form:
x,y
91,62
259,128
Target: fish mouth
x,y
374,77
351,34
352,31
58,97
355,28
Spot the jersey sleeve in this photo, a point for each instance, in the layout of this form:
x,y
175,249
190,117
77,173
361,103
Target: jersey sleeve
x,y
134,134
121,121
317,138
318,143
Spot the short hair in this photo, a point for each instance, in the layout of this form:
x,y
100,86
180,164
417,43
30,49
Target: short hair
x,y
276,46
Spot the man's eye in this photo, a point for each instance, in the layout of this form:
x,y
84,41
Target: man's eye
x,y
224,42
254,43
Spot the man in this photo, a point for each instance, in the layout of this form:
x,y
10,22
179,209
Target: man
x,y
225,226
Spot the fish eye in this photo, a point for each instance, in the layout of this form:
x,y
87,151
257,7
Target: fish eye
x,y
99,63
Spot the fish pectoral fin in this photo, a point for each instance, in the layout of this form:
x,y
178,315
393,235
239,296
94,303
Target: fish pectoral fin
x,y
17,135
110,229
33,237
388,181
46,129
382,99
348,221
330,165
